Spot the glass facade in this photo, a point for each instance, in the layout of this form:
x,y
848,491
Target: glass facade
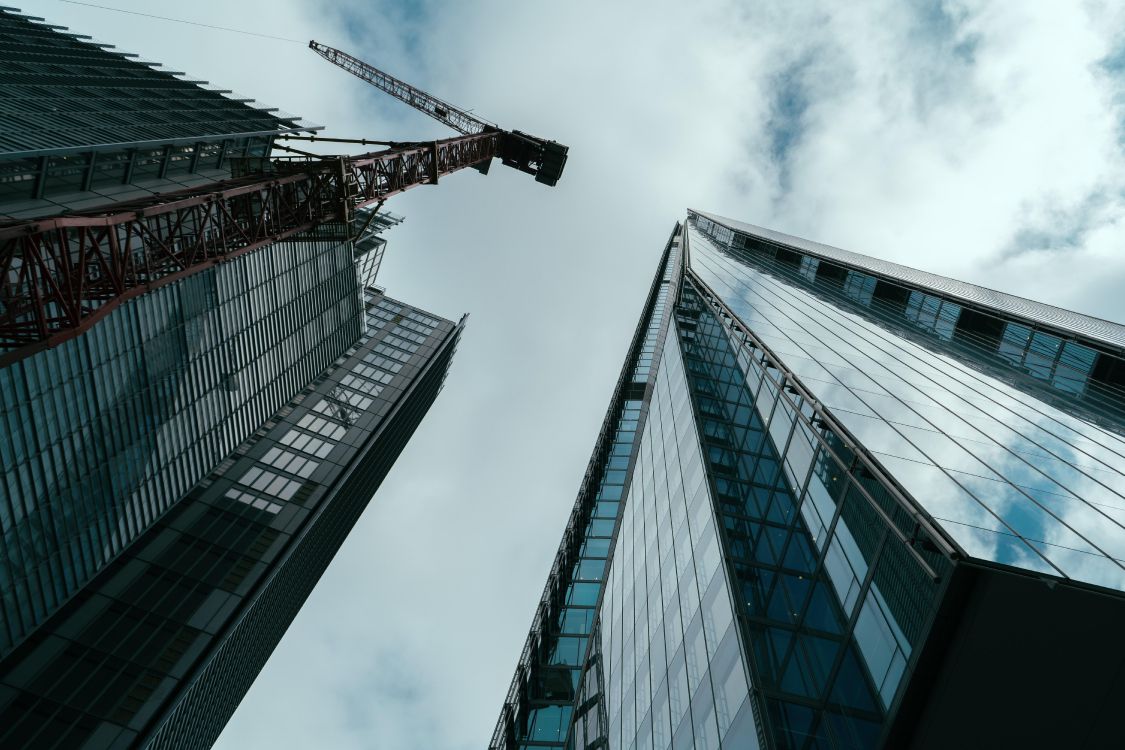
x,y
1010,476
177,476
368,225
832,600
671,654
1069,360
158,649
846,471
103,433
127,129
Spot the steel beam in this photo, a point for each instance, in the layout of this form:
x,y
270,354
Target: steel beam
x,y
442,111
59,276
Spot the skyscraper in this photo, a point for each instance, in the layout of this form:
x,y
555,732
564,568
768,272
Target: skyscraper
x,y
838,503
179,472
85,125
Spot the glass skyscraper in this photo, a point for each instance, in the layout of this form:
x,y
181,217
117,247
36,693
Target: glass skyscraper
x,y
177,477
157,649
838,503
129,129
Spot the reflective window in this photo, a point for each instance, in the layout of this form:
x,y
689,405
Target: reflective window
x,y
668,628
954,435
122,421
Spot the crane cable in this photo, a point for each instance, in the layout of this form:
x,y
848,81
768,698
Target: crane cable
x,y
189,23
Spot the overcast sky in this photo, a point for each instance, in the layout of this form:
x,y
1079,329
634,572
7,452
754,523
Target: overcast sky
x,y
977,140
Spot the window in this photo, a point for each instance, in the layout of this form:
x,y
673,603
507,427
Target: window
x,y
253,501
322,426
269,483
307,443
284,460
363,385
400,343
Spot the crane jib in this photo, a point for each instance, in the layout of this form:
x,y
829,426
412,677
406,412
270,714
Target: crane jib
x,y
542,158
65,273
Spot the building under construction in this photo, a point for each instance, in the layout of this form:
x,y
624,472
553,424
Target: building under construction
x,y
201,388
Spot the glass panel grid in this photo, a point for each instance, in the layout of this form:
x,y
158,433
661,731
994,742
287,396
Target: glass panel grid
x,y
106,431
672,658
833,605
1010,476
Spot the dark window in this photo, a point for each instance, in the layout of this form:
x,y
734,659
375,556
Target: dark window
x,y
892,296
17,179
831,273
788,257
1109,371
67,174
110,168
979,329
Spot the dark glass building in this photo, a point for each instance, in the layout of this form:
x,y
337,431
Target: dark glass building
x,y
159,647
838,503
177,477
126,129
105,431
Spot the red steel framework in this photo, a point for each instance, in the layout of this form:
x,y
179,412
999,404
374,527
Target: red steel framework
x,y
59,276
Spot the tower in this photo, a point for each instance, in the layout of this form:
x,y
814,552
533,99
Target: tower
x,y
179,470
838,503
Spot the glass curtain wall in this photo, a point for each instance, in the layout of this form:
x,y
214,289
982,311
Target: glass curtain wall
x,y
832,601
159,647
1007,464
825,440
672,660
105,431
545,690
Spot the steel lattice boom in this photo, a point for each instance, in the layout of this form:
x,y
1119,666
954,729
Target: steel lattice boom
x,y
58,276
443,112
540,157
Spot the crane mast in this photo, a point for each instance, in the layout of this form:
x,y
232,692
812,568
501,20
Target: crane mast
x,y
536,156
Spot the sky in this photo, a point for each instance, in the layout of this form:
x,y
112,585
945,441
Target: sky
x,y
976,140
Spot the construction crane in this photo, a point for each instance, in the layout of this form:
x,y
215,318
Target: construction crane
x,y
537,156
59,275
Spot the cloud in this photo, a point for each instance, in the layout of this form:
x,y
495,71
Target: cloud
x,y
980,140
1055,227
787,112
